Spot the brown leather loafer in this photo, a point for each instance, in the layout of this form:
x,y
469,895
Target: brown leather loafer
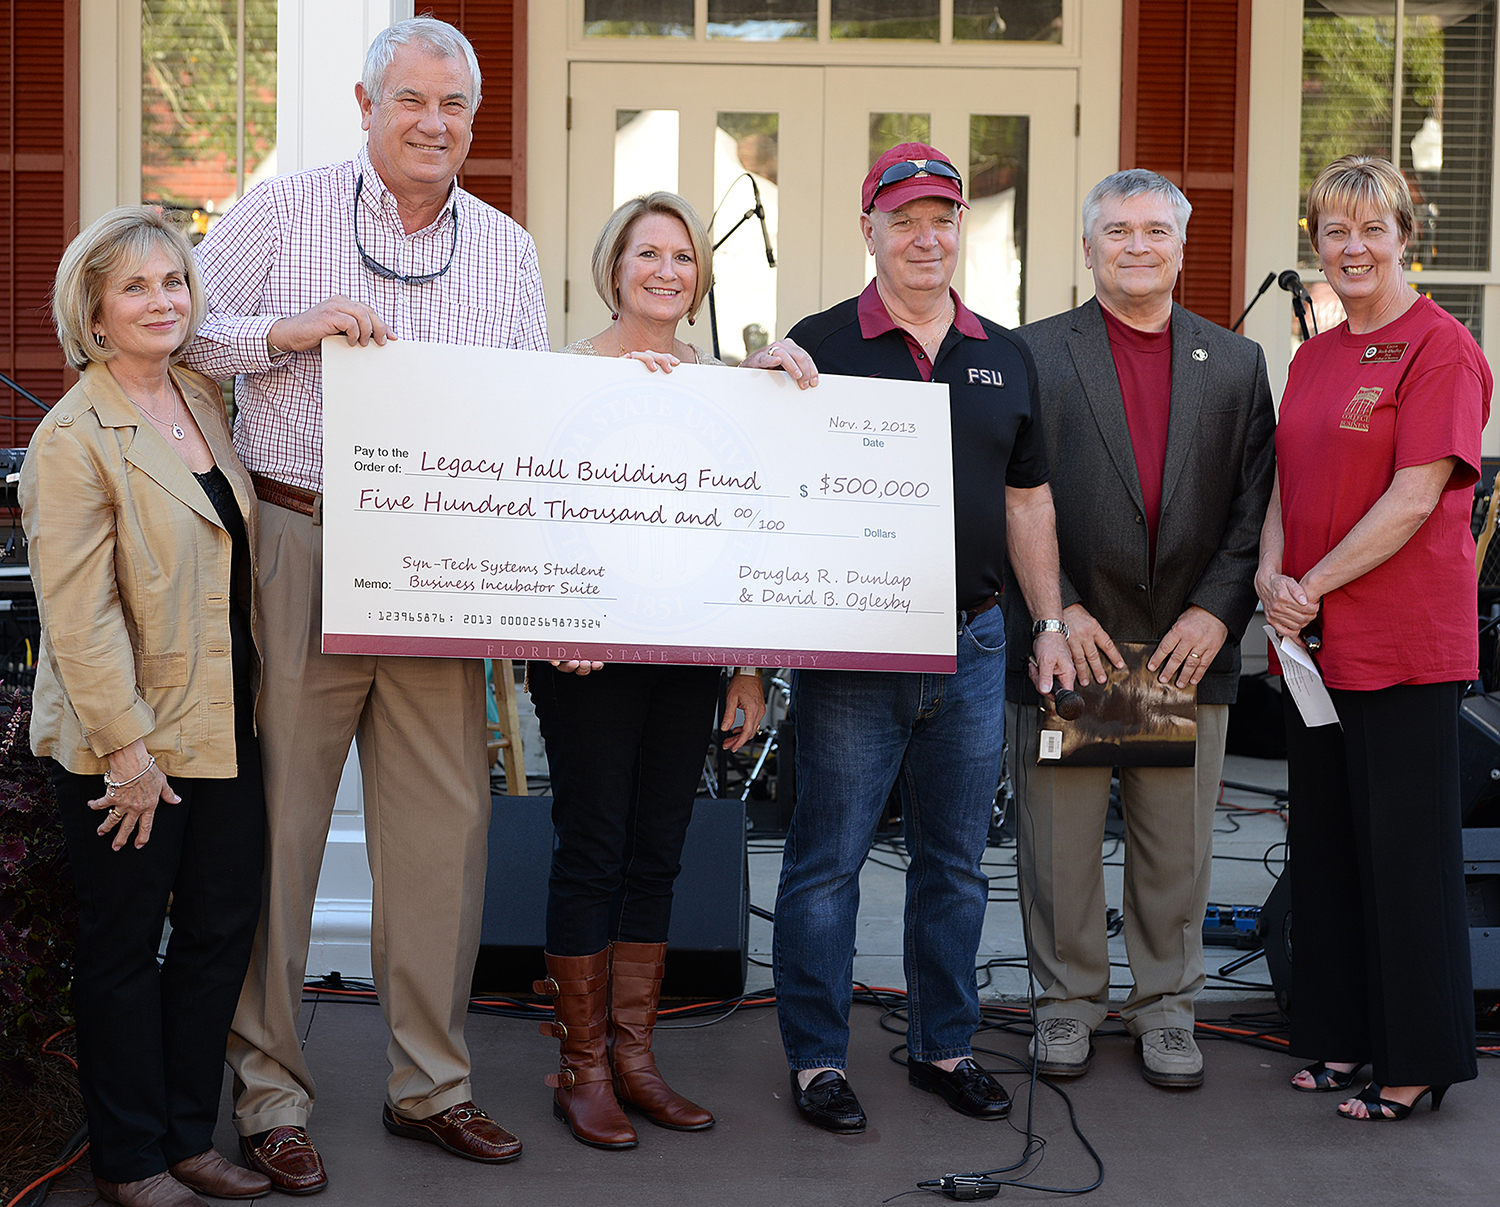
x,y
287,1157
209,1173
163,1190
464,1130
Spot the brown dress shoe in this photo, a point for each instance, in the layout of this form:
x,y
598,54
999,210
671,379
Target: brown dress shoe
x,y
464,1130
209,1173
163,1190
287,1157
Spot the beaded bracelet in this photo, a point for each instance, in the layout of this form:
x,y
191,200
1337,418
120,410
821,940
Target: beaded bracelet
x,y
110,784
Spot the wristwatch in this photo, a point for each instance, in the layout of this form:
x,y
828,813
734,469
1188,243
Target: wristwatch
x,y
1048,626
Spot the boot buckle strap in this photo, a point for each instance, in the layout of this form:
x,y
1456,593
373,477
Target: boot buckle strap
x,y
545,988
634,1064
553,1030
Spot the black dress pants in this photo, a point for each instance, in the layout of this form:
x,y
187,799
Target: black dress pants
x,y
1380,964
626,746
151,1036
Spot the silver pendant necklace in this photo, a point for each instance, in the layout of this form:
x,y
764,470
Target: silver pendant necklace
x,y
176,428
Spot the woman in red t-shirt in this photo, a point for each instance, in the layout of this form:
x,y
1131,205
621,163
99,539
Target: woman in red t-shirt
x,y
1368,535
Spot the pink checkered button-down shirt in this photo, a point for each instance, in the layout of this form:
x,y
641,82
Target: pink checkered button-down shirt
x,y
288,245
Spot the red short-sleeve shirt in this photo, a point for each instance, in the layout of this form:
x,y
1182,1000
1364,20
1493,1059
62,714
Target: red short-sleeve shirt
x,y
1356,409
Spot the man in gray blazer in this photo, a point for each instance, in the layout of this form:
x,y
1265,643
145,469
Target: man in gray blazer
x,y
1159,428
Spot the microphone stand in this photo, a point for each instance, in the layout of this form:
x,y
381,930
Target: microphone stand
x,y
1299,308
23,392
1264,285
755,211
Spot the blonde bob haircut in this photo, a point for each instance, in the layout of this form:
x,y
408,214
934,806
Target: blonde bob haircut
x,y
1355,183
121,241
609,250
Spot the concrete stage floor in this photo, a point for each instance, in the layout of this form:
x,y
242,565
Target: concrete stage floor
x,y
1244,1138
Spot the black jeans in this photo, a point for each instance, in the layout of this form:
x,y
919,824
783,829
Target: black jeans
x,y
1380,969
151,1037
626,746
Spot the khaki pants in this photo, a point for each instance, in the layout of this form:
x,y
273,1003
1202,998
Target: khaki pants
x,y
1169,817
420,723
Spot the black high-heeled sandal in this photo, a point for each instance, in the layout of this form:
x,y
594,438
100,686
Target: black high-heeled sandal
x,y
1378,1106
1326,1080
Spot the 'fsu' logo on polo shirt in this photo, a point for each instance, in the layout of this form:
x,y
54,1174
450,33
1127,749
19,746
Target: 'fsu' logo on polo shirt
x,y
985,377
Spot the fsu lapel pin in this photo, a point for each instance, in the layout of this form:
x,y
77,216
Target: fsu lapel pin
x,y
1200,354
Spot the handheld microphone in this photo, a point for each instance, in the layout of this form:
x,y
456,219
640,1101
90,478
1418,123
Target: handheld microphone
x,y
1069,704
760,212
1292,283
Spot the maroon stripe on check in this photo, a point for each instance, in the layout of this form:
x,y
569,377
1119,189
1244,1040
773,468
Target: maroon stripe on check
x,y
680,655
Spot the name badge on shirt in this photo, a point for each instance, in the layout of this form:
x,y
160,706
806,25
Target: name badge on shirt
x,y
1383,353
985,377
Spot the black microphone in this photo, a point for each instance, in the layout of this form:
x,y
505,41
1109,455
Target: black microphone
x,y
1292,283
760,212
1068,703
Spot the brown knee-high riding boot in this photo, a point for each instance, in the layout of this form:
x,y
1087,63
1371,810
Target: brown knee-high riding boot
x,y
634,990
583,1093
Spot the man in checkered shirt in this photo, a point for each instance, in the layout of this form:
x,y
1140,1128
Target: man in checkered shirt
x,y
384,246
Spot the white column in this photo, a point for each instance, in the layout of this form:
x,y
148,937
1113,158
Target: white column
x,y
320,56
109,106
320,53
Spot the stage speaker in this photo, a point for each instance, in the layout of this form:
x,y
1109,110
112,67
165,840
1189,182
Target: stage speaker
x,y
1482,896
1274,928
1482,893
707,944
1479,759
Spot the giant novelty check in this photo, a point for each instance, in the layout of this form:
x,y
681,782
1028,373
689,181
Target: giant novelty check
x,y
480,502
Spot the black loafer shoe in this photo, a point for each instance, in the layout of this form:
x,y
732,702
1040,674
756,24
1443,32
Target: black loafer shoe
x,y
829,1103
968,1089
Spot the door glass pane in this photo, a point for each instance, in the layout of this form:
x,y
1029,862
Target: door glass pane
x,y
995,225
645,152
762,20
1447,134
910,19
196,156
638,18
744,283
1007,21
889,129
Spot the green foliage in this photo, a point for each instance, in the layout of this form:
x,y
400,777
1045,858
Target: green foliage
x,y
909,29
888,130
38,907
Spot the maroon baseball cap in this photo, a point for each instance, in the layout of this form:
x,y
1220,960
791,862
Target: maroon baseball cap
x,y
913,157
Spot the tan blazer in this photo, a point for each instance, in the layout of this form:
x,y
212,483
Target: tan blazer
x,y
132,573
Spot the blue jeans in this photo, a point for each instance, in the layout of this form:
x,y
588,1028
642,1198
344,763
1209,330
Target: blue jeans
x,y
940,737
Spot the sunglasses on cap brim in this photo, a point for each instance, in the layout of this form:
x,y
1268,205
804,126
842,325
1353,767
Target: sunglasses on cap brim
x,y
908,168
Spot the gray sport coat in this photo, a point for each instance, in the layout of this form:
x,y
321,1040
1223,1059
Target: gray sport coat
x,y
1216,483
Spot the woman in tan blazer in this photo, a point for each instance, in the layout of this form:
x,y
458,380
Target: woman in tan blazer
x,y
140,521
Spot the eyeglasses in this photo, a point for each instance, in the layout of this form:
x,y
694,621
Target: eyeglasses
x,y
390,274
908,168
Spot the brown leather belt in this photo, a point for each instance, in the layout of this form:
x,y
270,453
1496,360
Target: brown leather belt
x,y
282,494
968,615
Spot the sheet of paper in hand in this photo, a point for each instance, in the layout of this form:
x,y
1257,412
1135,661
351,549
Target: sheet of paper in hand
x,y
1130,721
482,502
